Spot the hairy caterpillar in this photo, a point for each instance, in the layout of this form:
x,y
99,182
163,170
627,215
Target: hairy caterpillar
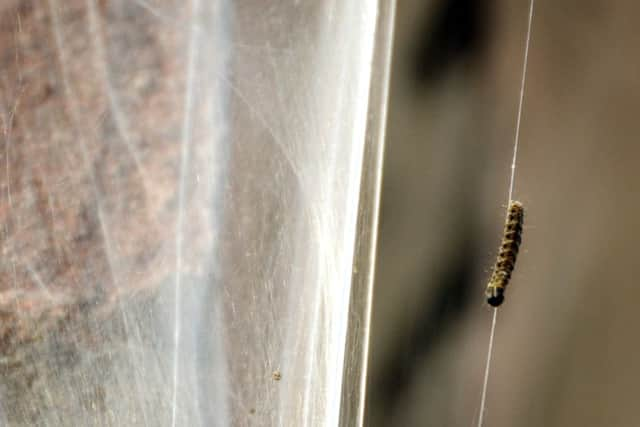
x,y
507,255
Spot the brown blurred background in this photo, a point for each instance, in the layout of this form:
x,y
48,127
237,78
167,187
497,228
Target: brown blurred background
x,y
566,347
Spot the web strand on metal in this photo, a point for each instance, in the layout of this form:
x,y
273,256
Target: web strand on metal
x,y
511,182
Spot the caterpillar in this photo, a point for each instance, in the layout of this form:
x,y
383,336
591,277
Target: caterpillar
x,y
507,255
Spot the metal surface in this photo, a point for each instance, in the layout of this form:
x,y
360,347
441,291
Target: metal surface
x,y
186,189
352,410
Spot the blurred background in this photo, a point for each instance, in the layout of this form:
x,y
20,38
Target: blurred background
x,y
566,346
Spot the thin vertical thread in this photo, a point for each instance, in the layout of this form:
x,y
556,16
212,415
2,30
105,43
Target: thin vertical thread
x,y
521,101
511,182
487,368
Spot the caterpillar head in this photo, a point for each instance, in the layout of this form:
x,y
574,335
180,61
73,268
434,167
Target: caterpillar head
x,y
495,296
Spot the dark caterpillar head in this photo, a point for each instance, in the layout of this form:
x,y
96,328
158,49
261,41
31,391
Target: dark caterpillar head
x,y
495,296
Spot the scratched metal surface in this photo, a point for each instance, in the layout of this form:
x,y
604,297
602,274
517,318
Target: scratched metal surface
x,y
183,189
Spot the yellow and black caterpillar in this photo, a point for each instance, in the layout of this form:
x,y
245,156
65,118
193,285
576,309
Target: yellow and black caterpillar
x,y
507,255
